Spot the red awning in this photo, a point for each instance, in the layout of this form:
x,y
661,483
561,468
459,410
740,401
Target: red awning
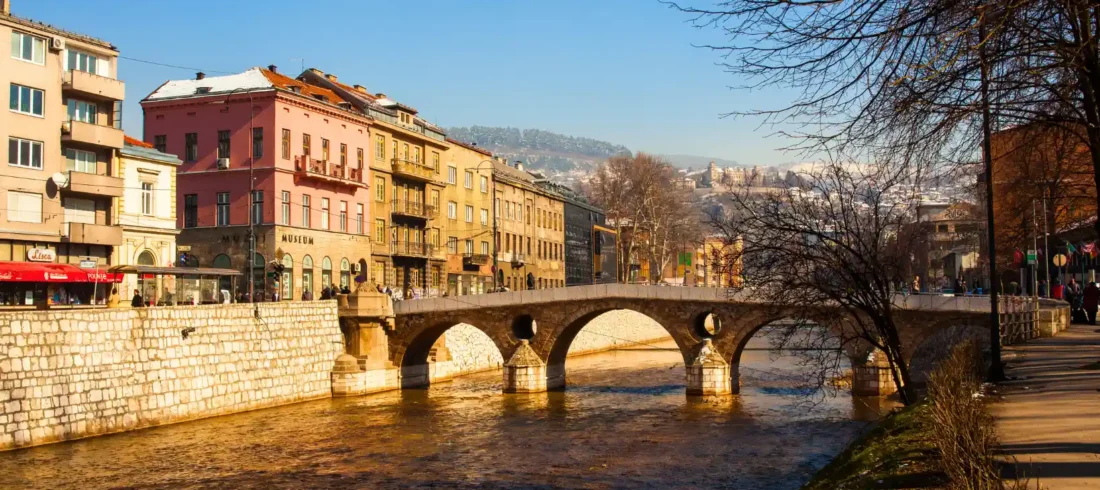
x,y
39,272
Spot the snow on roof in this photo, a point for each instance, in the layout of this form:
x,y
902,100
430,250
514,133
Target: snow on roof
x,y
251,79
386,102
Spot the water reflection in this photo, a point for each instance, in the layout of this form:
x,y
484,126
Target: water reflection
x,y
623,422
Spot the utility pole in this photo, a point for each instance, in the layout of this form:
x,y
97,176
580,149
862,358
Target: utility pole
x,y
996,368
1035,246
1046,244
251,195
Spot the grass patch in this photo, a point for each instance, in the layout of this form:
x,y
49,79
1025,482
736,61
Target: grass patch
x,y
898,453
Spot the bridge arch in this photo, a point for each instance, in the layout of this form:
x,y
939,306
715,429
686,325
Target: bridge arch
x,y
418,368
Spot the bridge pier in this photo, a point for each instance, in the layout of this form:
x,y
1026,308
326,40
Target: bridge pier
x,y
872,378
365,366
709,373
525,372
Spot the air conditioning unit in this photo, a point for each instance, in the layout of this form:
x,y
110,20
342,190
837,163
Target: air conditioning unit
x,y
57,43
223,164
357,267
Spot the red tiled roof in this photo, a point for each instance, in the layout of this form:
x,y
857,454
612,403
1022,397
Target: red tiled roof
x,y
136,142
468,146
353,90
285,82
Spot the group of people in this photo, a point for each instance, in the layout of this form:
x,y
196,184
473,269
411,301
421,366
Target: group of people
x,y
327,292
1084,302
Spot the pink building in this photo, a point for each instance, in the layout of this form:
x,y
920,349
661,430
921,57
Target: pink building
x,y
305,149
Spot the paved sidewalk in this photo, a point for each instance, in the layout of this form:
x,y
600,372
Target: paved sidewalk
x,y
1049,417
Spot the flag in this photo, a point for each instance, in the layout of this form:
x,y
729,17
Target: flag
x,y
1090,248
1017,257
1070,252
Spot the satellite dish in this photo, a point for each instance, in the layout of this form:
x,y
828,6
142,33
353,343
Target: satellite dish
x,y
61,179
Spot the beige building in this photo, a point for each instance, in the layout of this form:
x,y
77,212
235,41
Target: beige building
x,y
62,129
531,234
147,214
468,219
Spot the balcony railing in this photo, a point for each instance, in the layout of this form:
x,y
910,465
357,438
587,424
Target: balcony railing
x,y
328,171
410,249
476,259
73,131
93,234
518,259
100,185
415,209
411,169
94,86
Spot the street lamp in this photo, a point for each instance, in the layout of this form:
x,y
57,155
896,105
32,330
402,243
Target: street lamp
x,y
251,193
996,368
493,205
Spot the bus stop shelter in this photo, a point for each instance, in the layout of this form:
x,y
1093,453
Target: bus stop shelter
x,y
169,286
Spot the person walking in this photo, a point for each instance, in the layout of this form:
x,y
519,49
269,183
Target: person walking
x,y
137,302
113,299
1091,300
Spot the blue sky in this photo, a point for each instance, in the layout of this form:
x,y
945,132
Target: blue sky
x,y
623,71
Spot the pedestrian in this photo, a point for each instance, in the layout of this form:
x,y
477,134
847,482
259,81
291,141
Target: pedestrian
x,y
916,284
1091,299
307,295
324,293
958,287
113,299
345,290
1042,288
137,302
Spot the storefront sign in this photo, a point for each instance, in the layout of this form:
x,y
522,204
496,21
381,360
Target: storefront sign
x,y
57,276
183,248
304,240
87,264
41,255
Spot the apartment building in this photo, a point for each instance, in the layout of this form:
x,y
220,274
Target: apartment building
x,y
62,129
406,155
272,153
147,214
468,224
531,230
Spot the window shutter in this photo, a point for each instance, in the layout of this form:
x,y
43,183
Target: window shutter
x,y
103,67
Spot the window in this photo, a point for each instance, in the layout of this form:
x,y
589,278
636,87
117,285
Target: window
x,y
284,208
452,245
28,48
257,207
324,213
25,153
223,209
343,216
305,211
257,143
81,111
343,154
452,210
484,217
394,145
379,147
191,147
285,147
324,149
26,100
78,210
305,146
24,207
484,184
80,160
469,183
359,218
190,210
435,199
160,142
147,198
86,62
528,212
452,175
359,156
435,160
519,212
416,154
469,246
405,151
484,248
379,189
435,237
223,143
379,230
469,214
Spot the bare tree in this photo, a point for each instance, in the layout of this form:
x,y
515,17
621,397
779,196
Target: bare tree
x,y
837,244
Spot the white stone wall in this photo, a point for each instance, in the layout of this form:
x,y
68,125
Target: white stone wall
x,y
77,373
473,351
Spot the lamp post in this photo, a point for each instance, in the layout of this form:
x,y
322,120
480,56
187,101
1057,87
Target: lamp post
x,y
493,205
996,368
251,193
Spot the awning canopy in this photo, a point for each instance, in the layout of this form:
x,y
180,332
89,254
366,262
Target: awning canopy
x,y
173,271
40,272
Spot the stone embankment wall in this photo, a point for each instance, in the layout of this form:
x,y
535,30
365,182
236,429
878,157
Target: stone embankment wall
x,y
72,374
473,351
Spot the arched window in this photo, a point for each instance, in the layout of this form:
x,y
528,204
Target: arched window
x,y
326,272
307,274
146,258
287,281
345,273
222,261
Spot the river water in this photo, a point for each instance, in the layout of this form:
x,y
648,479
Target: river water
x,y
623,422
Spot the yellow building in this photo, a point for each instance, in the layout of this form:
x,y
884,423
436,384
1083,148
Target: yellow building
x,y
531,231
468,219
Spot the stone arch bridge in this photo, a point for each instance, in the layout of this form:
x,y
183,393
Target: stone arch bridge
x,y
535,357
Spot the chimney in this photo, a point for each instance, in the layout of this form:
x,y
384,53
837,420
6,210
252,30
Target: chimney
x,y
360,88
519,165
380,95
272,68
198,76
330,77
5,7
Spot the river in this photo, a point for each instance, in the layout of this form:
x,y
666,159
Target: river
x,y
623,422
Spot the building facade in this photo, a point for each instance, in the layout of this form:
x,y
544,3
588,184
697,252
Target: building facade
x,y
61,124
301,149
530,231
147,214
581,222
468,223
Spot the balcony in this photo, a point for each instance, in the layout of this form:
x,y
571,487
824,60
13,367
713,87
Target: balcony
x,y
410,249
93,234
476,259
309,168
91,134
415,209
99,185
93,86
518,259
412,170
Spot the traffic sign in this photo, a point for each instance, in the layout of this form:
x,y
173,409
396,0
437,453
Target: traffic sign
x,y
1030,256
1059,260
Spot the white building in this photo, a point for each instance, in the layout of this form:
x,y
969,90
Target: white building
x,y
147,213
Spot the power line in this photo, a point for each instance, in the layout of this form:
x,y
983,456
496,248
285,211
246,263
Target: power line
x,y
172,66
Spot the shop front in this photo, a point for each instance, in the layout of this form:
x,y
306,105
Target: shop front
x,y
171,286
46,285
